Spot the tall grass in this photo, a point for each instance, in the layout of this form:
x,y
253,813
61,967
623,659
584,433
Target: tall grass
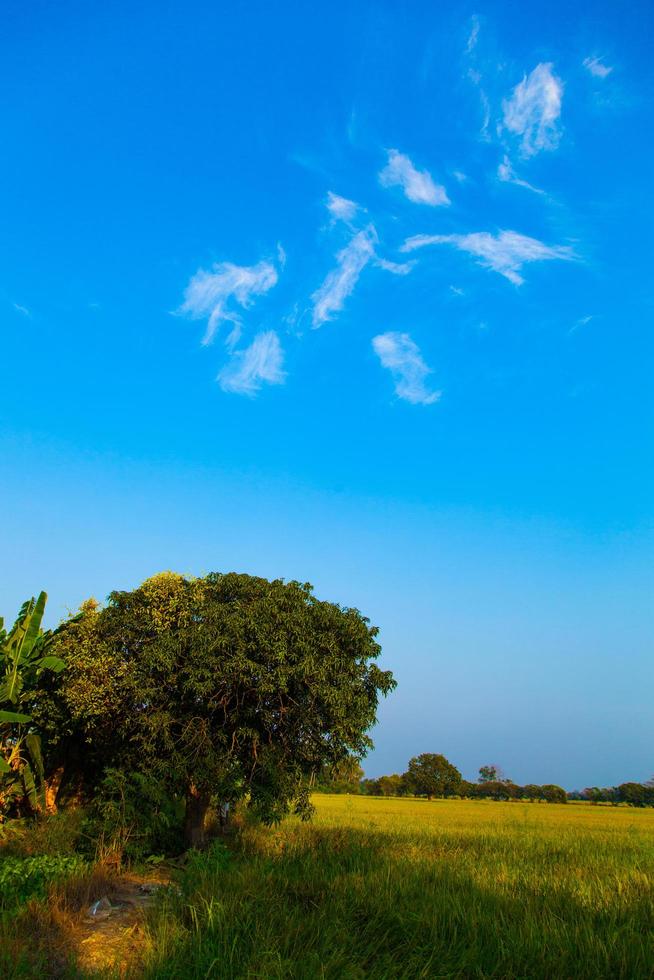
x,y
403,889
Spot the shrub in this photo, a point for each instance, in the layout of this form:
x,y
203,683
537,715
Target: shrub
x,y
132,817
24,878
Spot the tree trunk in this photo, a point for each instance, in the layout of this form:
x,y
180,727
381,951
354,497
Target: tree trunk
x,y
197,804
223,816
52,789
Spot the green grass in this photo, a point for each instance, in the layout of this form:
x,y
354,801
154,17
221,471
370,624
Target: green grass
x,y
405,889
371,888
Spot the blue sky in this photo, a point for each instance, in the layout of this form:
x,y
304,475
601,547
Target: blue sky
x,y
357,294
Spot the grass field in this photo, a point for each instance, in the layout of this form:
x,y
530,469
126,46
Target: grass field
x,y
371,888
401,888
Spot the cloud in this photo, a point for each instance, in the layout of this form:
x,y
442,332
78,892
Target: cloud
x,y
397,268
596,67
208,294
260,363
402,357
473,36
475,75
417,185
22,310
506,173
533,110
581,322
340,208
505,252
340,282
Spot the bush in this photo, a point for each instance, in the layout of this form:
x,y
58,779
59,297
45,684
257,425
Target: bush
x,y
24,878
133,817
56,834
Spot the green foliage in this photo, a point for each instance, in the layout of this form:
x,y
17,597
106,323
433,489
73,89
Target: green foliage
x,y
133,816
490,774
554,794
343,777
24,655
394,785
431,774
57,834
637,794
203,866
230,685
380,889
28,877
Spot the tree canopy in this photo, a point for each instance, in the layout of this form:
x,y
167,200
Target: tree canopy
x,y
229,685
431,774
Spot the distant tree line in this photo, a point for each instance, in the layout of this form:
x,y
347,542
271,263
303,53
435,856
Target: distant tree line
x,y
432,775
636,794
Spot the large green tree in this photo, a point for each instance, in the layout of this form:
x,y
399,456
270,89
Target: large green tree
x,y
224,686
431,775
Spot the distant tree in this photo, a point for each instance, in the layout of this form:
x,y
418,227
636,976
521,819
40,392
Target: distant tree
x,y
554,794
490,774
432,775
467,789
532,792
634,793
498,790
370,787
343,777
391,785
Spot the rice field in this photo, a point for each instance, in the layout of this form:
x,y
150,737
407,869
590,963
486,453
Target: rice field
x,y
397,888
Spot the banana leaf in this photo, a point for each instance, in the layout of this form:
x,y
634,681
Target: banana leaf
x,y
55,664
14,718
33,744
29,783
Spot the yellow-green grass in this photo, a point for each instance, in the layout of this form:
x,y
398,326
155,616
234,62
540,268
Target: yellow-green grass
x,y
402,888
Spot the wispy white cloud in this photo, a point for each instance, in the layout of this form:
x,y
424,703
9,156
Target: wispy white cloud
x,y
401,356
474,74
212,294
476,79
340,208
260,363
329,298
581,322
533,110
418,185
506,173
473,36
397,268
22,310
505,252
596,67
460,176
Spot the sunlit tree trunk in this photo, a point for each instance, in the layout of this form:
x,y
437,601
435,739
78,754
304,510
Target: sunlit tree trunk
x,y
52,789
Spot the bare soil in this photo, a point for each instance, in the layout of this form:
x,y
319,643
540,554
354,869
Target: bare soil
x,y
116,942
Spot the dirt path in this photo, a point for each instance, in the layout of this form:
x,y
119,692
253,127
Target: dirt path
x,y
114,940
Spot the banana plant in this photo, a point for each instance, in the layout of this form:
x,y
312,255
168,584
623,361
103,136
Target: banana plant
x,y
24,655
